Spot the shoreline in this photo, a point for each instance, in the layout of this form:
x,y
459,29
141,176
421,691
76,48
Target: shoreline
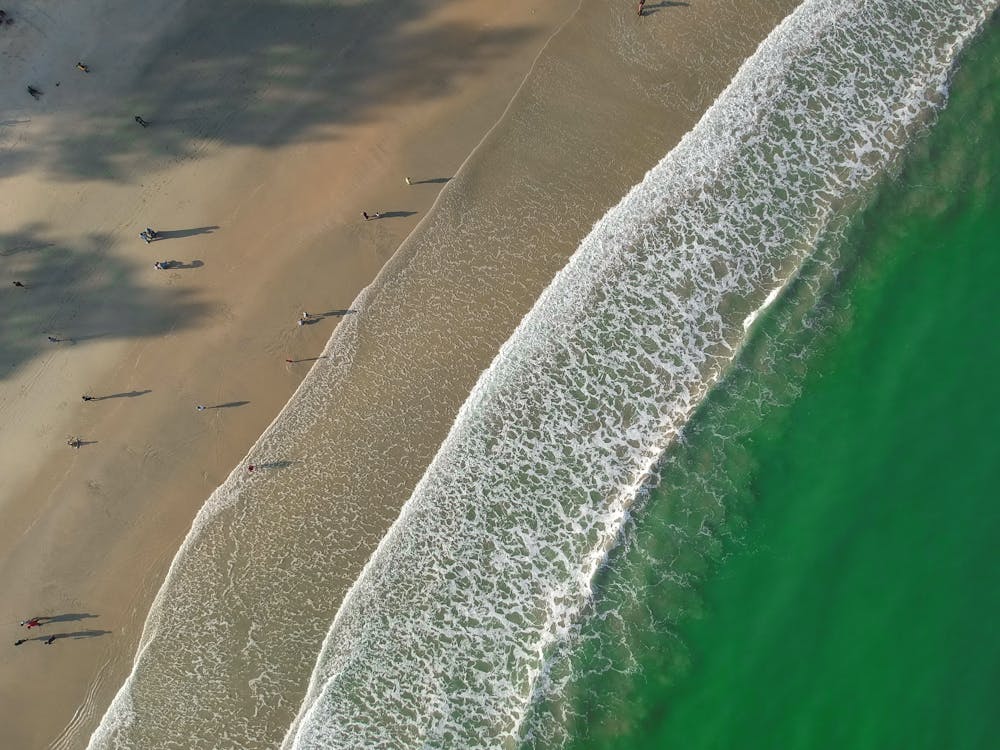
x,y
354,459
90,532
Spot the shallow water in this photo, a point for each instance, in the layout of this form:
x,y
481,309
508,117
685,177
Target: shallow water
x,y
818,565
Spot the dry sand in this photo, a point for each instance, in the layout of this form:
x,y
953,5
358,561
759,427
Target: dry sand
x,y
273,125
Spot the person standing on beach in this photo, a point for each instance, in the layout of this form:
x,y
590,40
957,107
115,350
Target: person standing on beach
x,y
407,180
365,214
49,640
19,641
199,407
53,339
87,398
33,622
19,284
642,7
142,122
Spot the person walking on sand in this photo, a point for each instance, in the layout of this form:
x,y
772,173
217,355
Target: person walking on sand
x,y
49,640
87,398
251,467
407,180
33,622
19,641
142,122
199,407
642,7
365,214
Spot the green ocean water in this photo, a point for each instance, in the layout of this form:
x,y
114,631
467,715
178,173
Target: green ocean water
x,y
819,565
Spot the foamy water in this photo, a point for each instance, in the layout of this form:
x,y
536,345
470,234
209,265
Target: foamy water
x,y
444,641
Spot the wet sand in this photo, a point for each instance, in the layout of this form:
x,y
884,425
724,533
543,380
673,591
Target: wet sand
x,y
605,101
268,137
272,126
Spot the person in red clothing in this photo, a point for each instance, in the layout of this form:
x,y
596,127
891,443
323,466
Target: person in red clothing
x,y
34,622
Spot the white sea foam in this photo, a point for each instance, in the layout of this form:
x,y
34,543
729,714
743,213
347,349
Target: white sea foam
x,y
445,638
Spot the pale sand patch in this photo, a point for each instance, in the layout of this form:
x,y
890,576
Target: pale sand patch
x,y
272,127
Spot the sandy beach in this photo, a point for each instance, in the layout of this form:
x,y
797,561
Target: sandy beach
x,y
272,127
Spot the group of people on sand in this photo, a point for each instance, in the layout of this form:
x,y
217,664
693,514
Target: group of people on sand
x,y
34,622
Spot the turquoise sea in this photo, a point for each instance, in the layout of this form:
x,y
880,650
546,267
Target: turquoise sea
x,y
819,564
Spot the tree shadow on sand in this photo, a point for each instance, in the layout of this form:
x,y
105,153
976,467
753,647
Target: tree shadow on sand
x,y
263,78
78,293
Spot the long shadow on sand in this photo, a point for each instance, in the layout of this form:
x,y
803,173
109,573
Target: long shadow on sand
x,y
75,635
651,9
337,313
176,234
67,617
127,394
283,464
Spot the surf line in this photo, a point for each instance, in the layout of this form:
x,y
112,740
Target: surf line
x,y
621,238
